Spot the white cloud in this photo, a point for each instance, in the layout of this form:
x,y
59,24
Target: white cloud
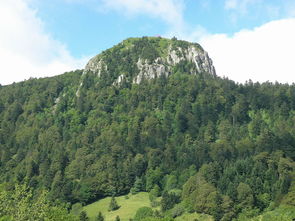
x,y
26,50
265,53
170,11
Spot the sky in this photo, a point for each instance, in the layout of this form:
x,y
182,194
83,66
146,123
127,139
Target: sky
x,y
246,39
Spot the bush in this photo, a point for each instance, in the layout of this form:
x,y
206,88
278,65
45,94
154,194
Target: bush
x,y
76,208
178,210
168,201
142,213
155,203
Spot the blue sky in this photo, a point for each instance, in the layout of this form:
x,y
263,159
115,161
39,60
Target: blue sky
x,y
88,26
245,38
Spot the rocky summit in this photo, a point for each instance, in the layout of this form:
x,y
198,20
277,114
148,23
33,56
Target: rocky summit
x,y
152,57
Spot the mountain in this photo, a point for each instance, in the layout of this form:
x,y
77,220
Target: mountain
x,y
148,58
150,114
138,59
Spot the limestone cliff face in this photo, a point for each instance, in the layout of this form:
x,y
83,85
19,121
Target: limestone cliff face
x,y
95,65
159,66
192,54
150,71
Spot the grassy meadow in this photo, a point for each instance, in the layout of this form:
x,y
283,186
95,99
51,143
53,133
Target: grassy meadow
x,y
129,204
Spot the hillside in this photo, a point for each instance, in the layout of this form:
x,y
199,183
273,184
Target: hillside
x,y
129,204
150,115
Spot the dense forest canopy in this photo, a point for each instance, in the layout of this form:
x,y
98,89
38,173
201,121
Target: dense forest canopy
x,y
203,143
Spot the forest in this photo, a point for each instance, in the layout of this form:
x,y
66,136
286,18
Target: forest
x,y
199,142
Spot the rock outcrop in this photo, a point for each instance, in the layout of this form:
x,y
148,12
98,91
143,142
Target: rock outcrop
x,y
159,66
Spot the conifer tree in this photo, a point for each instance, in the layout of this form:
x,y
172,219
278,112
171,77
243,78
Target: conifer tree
x,y
99,217
83,216
113,204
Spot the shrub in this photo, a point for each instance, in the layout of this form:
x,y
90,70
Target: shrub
x,y
178,210
142,213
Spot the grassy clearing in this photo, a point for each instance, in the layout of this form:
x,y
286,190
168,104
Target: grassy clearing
x,y
128,207
129,204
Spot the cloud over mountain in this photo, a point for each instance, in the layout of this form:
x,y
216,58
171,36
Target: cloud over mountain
x,y
265,52
26,49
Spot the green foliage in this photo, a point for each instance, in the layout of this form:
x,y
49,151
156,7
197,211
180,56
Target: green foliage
x,y
170,182
113,204
281,213
142,213
19,204
178,210
169,200
153,177
289,198
138,186
245,195
99,217
76,208
154,194
228,146
83,216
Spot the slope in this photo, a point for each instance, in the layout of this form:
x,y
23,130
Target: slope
x,y
150,114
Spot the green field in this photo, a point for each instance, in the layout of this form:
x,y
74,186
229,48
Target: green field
x,y
128,207
129,204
